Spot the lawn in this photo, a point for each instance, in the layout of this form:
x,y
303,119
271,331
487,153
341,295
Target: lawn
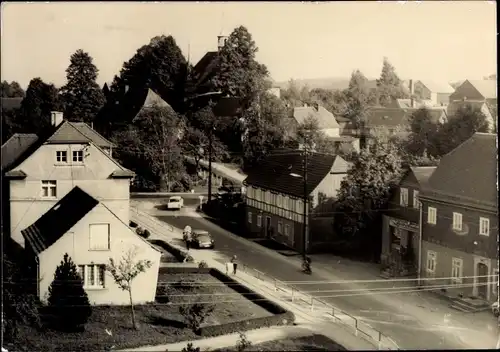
x,y
307,343
159,323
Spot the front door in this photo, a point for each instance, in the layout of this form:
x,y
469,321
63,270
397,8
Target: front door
x,y
482,280
268,226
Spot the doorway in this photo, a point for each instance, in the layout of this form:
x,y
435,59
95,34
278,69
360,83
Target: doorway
x,y
268,227
482,280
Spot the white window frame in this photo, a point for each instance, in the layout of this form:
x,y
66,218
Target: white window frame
x,y
484,230
249,192
89,273
77,156
99,248
457,269
249,217
258,194
280,227
416,203
457,221
51,187
431,257
403,197
268,197
259,220
299,207
279,201
431,215
287,230
60,155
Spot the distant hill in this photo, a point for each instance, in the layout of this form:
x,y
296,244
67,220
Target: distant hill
x,y
339,83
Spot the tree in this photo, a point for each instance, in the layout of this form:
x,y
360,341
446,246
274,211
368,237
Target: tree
x,y
358,95
243,342
424,133
238,73
195,143
153,139
82,96
389,86
125,272
34,114
20,306
68,300
366,189
11,90
466,121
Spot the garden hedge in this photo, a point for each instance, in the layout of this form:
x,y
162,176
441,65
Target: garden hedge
x,y
280,316
179,254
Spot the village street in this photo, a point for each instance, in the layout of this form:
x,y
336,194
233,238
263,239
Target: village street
x,y
400,316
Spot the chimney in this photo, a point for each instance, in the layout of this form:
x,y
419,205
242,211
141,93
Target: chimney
x,y
221,41
410,87
56,118
412,102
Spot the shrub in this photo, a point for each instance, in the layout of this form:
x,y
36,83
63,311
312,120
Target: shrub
x,y
68,301
195,314
139,231
146,233
203,264
190,348
132,224
188,258
186,284
161,294
243,343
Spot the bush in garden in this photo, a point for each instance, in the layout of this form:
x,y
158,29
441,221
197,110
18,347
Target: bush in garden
x,y
161,294
203,264
243,343
190,348
146,233
195,314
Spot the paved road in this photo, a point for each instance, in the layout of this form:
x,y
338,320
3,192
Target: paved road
x,y
405,329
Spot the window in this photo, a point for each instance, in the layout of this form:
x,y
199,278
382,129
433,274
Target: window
x,y
259,220
268,197
62,156
99,237
78,156
431,262
287,230
249,217
258,195
457,221
249,192
286,202
279,201
403,197
431,215
298,206
280,227
49,189
456,270
415,199
92,275
484,226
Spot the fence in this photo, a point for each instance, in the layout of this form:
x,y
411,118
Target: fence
x,y
294,295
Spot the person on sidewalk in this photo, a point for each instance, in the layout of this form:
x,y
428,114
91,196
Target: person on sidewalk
x,y
234,261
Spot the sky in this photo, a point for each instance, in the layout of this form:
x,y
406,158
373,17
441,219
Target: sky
x,y
442,41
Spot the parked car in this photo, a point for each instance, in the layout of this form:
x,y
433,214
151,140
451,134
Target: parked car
x,y
202,239
495,309
175,202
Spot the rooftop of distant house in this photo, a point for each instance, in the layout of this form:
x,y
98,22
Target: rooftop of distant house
x,y
325,118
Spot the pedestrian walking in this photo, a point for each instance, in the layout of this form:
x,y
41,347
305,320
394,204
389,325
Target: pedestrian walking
x,y
234,260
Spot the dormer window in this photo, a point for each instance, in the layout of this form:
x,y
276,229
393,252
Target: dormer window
x,y
61,156
78,156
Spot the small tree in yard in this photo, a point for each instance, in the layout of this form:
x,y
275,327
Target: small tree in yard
x,y
67,298
190,348
125,272
243,343
195,314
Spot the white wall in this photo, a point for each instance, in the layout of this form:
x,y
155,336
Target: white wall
x,y
122,238
331,132
329,187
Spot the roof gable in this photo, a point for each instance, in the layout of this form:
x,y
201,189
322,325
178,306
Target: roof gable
x,y
468,172
325,118
15,147
422,174
475,90
58,220
437,87
282,172
92,135
486,87
153,99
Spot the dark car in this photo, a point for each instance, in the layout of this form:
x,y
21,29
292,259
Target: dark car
x,y
202,239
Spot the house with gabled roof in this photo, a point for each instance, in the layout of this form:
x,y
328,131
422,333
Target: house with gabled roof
x,y
401,223
459,220
275,194
326,121
438,93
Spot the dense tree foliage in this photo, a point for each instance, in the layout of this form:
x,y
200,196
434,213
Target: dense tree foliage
x,y
11,90
389,85
358,98
81,95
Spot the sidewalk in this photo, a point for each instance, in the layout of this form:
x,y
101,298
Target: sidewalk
x,y
333,330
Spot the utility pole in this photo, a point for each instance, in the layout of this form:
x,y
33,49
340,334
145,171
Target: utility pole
x,y
210,135
305,234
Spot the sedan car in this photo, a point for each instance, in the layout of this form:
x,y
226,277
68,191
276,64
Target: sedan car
x,y
175,202
202,239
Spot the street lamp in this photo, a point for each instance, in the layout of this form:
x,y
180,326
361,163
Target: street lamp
x,y
305,228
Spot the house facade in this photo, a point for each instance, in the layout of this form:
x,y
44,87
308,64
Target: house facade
x,y
437,93
44,215
275,195
401,224
460,220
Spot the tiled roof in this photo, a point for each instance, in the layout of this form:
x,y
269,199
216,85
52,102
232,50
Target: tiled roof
x,y
59,219
438,87
274,172
422,173
92,135
487,87
11,103
205,66
122,174
15,146
469,172
325,118
393,117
